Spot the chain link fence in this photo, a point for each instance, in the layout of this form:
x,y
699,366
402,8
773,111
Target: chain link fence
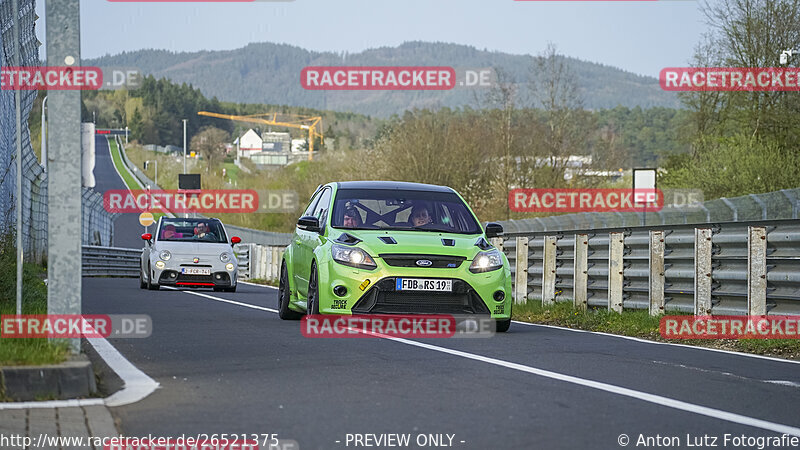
x,y
783,204
97,223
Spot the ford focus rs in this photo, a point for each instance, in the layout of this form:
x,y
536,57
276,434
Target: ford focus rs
x,y
374,247
189,253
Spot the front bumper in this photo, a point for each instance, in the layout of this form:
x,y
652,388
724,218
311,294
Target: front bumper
x,y
373,291
172,275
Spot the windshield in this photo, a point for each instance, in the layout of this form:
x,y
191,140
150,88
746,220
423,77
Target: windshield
x,y
402,210
191,230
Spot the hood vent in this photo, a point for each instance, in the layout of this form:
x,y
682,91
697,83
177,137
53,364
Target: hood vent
x,y
387,240
448,242
482,244
347,239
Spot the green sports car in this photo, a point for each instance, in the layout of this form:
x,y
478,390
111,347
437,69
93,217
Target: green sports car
x,y
380,247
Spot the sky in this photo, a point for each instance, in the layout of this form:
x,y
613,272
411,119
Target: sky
x,y
638,36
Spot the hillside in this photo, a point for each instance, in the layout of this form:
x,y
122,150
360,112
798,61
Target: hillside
x,y
269,73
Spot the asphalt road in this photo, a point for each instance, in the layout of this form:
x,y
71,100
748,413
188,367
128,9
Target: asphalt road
x,y
237,368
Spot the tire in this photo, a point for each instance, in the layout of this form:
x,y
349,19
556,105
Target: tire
x,y
142,284
218,289
150,285
312,301
283,297
230,289
503,325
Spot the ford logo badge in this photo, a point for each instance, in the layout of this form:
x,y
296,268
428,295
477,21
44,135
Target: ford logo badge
x,y
424,262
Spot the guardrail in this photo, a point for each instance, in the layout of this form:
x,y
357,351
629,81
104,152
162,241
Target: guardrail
x,y
110,261
259,261
722,268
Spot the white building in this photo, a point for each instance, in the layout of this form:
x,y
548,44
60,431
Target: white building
x,y
277,142
251,143
297,145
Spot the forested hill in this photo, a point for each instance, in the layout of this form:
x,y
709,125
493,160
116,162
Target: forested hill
x,y
270,73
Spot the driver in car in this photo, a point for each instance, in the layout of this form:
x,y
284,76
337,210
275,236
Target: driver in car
x,y
202,232
420,216
351,218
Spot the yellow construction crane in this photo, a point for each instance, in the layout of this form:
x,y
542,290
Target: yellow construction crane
x,y
309,123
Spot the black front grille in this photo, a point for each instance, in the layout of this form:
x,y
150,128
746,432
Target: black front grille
x,y
382,298
437,261
198,278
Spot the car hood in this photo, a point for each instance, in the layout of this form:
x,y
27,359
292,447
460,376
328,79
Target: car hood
x,y
193,248
414,242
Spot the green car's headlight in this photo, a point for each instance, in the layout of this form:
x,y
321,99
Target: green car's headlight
x,y
352,256
486,261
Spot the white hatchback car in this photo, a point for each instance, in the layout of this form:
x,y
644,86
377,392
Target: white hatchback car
x,y
189,253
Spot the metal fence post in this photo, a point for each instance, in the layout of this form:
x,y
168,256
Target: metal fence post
x,y
756,271
521,275
615,271
702,271
580,274
549,271
64,166
656,276
497,242
276,256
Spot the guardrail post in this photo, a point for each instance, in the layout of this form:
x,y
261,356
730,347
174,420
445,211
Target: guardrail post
x,y
276,256
497,242
756,271
580,274
615,271
702,271
549,271
656,279
521,275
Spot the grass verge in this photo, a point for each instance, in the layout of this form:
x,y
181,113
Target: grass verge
x,y
26,351
639,323
263,281
127,177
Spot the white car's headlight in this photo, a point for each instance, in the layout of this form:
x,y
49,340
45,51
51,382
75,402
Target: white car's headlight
x,y
160,265
486,261
225,257
353,257
229,267
165,255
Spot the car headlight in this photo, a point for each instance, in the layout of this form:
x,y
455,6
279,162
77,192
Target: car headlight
x,y
486,261
165,255
353,257
160,265
229,267
225,257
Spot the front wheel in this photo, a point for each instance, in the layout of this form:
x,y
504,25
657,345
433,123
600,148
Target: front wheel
x,y
503,325
312,302
150,285
283,297
142,284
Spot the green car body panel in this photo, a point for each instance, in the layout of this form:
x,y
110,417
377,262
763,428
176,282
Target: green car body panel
x,y
313,249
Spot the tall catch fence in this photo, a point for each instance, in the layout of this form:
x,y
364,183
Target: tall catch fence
x,y
97,222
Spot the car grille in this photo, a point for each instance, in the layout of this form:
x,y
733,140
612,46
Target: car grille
x,y
409,260
383,299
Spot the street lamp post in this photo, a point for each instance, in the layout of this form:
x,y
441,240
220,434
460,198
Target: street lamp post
x,y
184,146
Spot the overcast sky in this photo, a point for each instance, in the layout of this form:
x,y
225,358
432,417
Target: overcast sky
x,y
639,36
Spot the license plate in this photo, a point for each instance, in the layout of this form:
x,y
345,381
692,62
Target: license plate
x,y
423,284
195,271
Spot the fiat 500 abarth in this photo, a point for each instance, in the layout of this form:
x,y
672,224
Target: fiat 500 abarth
x,y
189,253
375,247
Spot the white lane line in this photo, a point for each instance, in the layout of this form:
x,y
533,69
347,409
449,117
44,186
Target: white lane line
x,y
635,339
639,395
137,385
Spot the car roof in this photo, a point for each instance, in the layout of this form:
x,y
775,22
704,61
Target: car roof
x,y
397,185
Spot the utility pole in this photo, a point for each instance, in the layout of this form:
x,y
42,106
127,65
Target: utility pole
x,y
184,146
18,126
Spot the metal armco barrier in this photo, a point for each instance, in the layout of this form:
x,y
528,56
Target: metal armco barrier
x,y
110,261
259,261
719,268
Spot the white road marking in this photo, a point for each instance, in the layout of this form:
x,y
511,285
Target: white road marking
x,y
646,341
610,388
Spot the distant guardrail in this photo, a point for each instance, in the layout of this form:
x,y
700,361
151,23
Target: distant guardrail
x,y
110,261
711,268
259,261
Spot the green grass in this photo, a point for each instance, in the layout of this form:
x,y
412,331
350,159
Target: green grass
x,y
232,171
27,351
638,323
263,281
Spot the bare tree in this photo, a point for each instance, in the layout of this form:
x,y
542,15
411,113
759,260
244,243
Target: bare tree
x,y
210,144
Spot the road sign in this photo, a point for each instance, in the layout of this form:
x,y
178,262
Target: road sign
x,y
146,219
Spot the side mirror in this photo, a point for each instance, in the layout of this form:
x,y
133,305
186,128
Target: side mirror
x,y
309,223
147,237
235,240
493,230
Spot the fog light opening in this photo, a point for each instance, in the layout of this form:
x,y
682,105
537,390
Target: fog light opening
x,y
340,291
218,276
173,275
499,296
